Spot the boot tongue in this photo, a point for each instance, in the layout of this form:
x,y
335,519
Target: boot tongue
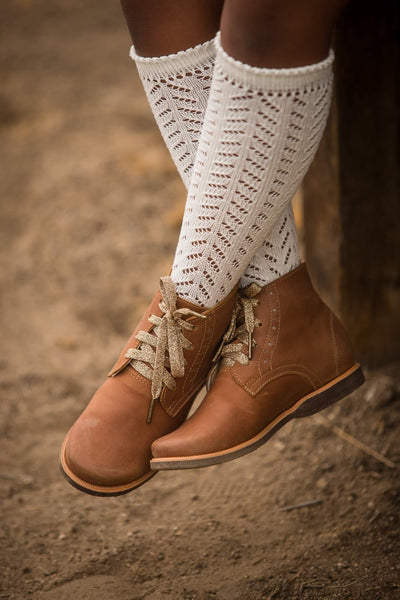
x,y
248,304
159,357
240,333
145,325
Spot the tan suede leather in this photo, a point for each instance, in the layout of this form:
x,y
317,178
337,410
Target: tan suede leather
x,y
300,346
108,448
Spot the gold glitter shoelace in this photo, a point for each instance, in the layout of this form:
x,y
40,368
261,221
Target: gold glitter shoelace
x,y
162,365
241,329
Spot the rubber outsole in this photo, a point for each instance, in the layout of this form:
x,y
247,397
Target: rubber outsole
x,y
329,394
98,490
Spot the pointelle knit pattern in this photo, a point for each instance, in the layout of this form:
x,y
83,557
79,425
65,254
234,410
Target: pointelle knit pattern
x,y
261,130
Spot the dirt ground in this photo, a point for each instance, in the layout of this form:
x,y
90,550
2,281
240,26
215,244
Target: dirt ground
x,y
90,213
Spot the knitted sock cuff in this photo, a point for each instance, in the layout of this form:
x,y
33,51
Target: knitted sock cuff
x,y
173,63
273,79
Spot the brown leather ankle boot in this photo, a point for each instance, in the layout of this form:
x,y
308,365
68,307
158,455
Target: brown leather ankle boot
x,y
290,357
148,393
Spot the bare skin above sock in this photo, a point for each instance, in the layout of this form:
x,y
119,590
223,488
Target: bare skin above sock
x,y
260,133
177,87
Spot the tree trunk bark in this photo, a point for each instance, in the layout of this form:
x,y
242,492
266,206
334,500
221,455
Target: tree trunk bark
x,y
352,192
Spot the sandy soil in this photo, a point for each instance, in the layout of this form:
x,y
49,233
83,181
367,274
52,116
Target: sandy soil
x,y
90,212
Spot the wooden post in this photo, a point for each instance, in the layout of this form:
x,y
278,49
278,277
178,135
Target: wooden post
x,y
352,192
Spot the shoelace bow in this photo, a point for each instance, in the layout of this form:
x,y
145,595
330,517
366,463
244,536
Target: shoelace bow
x,y
241,329
162,365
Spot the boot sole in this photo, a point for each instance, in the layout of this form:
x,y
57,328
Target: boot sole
x,y
98,490
329,394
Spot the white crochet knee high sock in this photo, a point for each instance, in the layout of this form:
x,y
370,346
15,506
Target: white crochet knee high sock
x,y
177,87
260,133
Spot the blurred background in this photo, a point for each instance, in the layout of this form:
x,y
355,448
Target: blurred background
x,y
90,211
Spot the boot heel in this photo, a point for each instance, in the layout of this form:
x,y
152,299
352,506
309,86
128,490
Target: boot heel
x,y
338,390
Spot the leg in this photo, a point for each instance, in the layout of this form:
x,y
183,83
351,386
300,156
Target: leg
x,y
270,33
166,360
267,33
261,132
286,354
175,63
160,27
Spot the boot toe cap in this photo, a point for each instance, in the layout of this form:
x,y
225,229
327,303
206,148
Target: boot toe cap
x,y
91,457
105,446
